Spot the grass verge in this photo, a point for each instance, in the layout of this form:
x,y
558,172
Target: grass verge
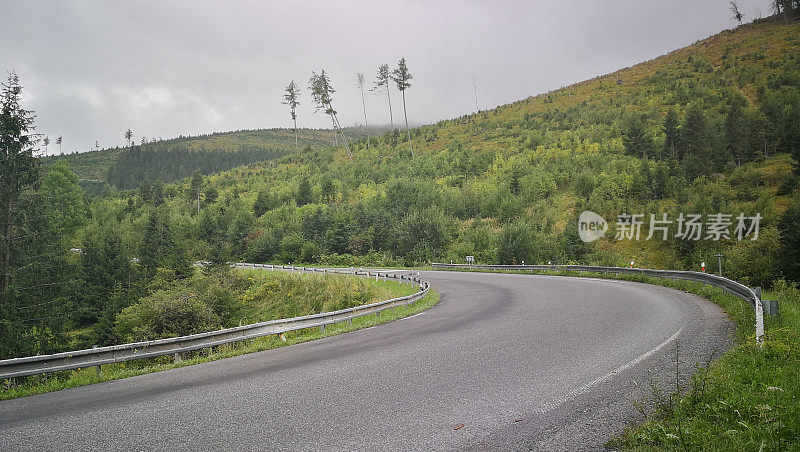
x,y
748,399
38,384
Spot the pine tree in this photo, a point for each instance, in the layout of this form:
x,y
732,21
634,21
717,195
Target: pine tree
x,y
292,98
672,136
196,187
38,217
402,77
635,139
734,136
303,192
360,84
263,203
737,15
694,133
382,85
322,92
789,226
19,171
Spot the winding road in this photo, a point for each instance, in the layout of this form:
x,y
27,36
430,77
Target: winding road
x,y
503,362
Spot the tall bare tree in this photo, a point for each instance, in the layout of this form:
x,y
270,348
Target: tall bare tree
x,y
129,137
46,142
59,140
292,98
360,83
402,78
382,84
322,92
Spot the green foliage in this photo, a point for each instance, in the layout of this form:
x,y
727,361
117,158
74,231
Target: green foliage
x,y
304,195
789,227
39,215
198,304
504,185
515,245
744,401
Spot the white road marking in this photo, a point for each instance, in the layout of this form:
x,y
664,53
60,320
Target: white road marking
x,y
586,387
412,316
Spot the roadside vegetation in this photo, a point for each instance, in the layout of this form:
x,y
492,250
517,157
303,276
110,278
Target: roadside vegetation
x,y
221,299
745,400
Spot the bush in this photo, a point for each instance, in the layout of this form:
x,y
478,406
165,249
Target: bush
x,y
166,314
200,303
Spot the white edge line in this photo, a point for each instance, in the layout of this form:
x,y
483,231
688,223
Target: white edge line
x,y
582,389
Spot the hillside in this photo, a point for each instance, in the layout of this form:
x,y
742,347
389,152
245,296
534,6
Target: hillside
x,y
506,185
708,129
173,159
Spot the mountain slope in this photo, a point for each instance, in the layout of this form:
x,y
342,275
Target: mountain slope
x,y
507,185
157,159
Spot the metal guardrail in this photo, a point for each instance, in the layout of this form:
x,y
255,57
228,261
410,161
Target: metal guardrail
x,y
32,365
728,285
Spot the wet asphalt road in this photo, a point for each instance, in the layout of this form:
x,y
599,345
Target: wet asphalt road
x,y
522,362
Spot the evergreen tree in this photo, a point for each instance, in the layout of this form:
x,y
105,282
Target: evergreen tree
x,y
303,192
322,92
737,15
263,203
360,84
402,77
635,139
789,227
157,194
38,218
382,79
672,136
19,171
195,187
292,98
696,143
734,133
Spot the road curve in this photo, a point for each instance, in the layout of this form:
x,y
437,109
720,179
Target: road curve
x,y
505,362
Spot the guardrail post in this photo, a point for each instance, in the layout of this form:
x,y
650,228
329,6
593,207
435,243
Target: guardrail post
x,y
282,336
98,371
178,357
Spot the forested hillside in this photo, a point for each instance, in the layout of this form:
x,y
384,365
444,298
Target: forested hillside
x,y
713,128
706,129
173,159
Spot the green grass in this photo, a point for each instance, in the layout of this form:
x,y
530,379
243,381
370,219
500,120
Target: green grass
x,y
748,399
37,384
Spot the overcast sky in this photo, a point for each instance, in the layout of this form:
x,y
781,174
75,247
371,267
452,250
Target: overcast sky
x,y
92,69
